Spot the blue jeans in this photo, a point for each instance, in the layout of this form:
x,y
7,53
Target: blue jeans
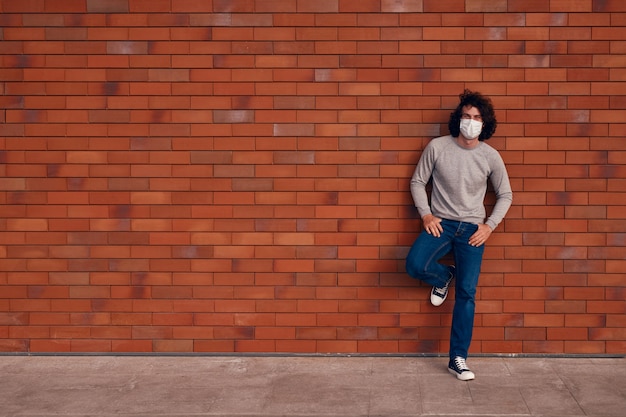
x,y
422,263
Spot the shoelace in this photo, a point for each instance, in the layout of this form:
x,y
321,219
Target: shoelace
x,y
442,290
460,364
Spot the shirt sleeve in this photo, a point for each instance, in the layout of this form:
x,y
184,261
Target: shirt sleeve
x,y
504,195
421,176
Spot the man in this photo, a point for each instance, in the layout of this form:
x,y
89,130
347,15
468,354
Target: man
x,y
459,166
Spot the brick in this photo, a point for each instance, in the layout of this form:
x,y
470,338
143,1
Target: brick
x,y
394,6
323,6
490,7
440,6
611,5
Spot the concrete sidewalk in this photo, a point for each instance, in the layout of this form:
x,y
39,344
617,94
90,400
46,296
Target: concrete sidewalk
x,y
229,386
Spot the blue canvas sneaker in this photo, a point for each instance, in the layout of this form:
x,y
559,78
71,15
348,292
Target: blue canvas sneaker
x,y
458,367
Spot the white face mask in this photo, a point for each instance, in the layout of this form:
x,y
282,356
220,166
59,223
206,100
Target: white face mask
x,y
471,128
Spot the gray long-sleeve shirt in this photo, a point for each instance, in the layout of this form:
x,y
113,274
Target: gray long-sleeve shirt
x,y
459,182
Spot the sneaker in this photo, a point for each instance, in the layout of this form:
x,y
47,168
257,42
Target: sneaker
x,y
458,367
439,294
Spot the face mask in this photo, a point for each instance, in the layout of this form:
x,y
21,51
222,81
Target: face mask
x,y
471,128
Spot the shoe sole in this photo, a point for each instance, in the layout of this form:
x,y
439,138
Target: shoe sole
x,y
438,303
460,376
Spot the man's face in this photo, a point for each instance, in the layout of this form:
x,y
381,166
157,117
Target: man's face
x,y
471,123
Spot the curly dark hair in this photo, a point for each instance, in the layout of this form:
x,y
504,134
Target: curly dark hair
x,y
484,106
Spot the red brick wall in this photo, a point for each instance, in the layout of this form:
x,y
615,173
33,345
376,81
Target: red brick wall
x,y
232,175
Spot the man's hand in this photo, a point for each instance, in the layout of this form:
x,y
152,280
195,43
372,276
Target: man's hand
x,y
481,235
432,225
